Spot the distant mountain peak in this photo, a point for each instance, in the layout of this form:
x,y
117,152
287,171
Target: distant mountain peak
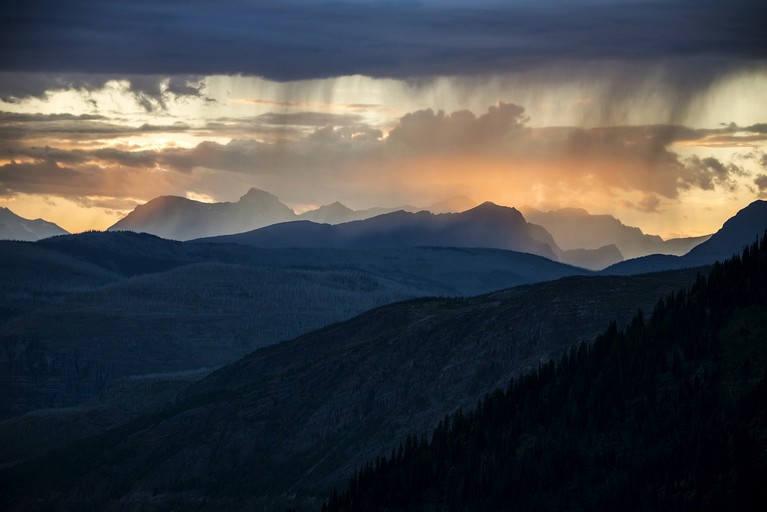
x,y
576,228
179,218
169,199
336,206
15,227
489,207
256,194
575,211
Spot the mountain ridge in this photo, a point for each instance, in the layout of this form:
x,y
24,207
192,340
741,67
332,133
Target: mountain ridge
x,y
576,228
16,227
486,225
737,232
180,218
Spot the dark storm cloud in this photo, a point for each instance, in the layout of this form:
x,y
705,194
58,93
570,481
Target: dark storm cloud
x,y
298,39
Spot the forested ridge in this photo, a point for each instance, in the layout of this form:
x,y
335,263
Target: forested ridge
x,y
669,413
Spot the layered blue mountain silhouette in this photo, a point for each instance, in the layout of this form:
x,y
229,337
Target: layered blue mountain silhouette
x,y
487,225
572,235
179,218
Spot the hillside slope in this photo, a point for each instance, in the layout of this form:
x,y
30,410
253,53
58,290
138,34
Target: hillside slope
x,y
297,418
666,414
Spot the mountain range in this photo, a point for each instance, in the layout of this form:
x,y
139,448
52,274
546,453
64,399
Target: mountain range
x,y
737,232
127,330
14,227
179,218
575,228
487,225
588,241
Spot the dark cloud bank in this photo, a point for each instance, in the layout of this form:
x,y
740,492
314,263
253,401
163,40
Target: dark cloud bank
x,y
301,39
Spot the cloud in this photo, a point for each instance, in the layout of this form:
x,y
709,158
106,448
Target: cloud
x,y
705,173
152,92
304,105
18,117
761,182
62,127
383,39
427,151
427,130
309,119
43,177
649,203
81,178
138,159
237,156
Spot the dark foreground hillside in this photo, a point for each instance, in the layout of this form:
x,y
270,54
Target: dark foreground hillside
x,y
283,426
669,413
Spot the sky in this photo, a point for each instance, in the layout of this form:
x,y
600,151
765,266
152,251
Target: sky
x,y
652,111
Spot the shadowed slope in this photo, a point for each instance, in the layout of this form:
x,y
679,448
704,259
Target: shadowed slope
x,y
296,418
